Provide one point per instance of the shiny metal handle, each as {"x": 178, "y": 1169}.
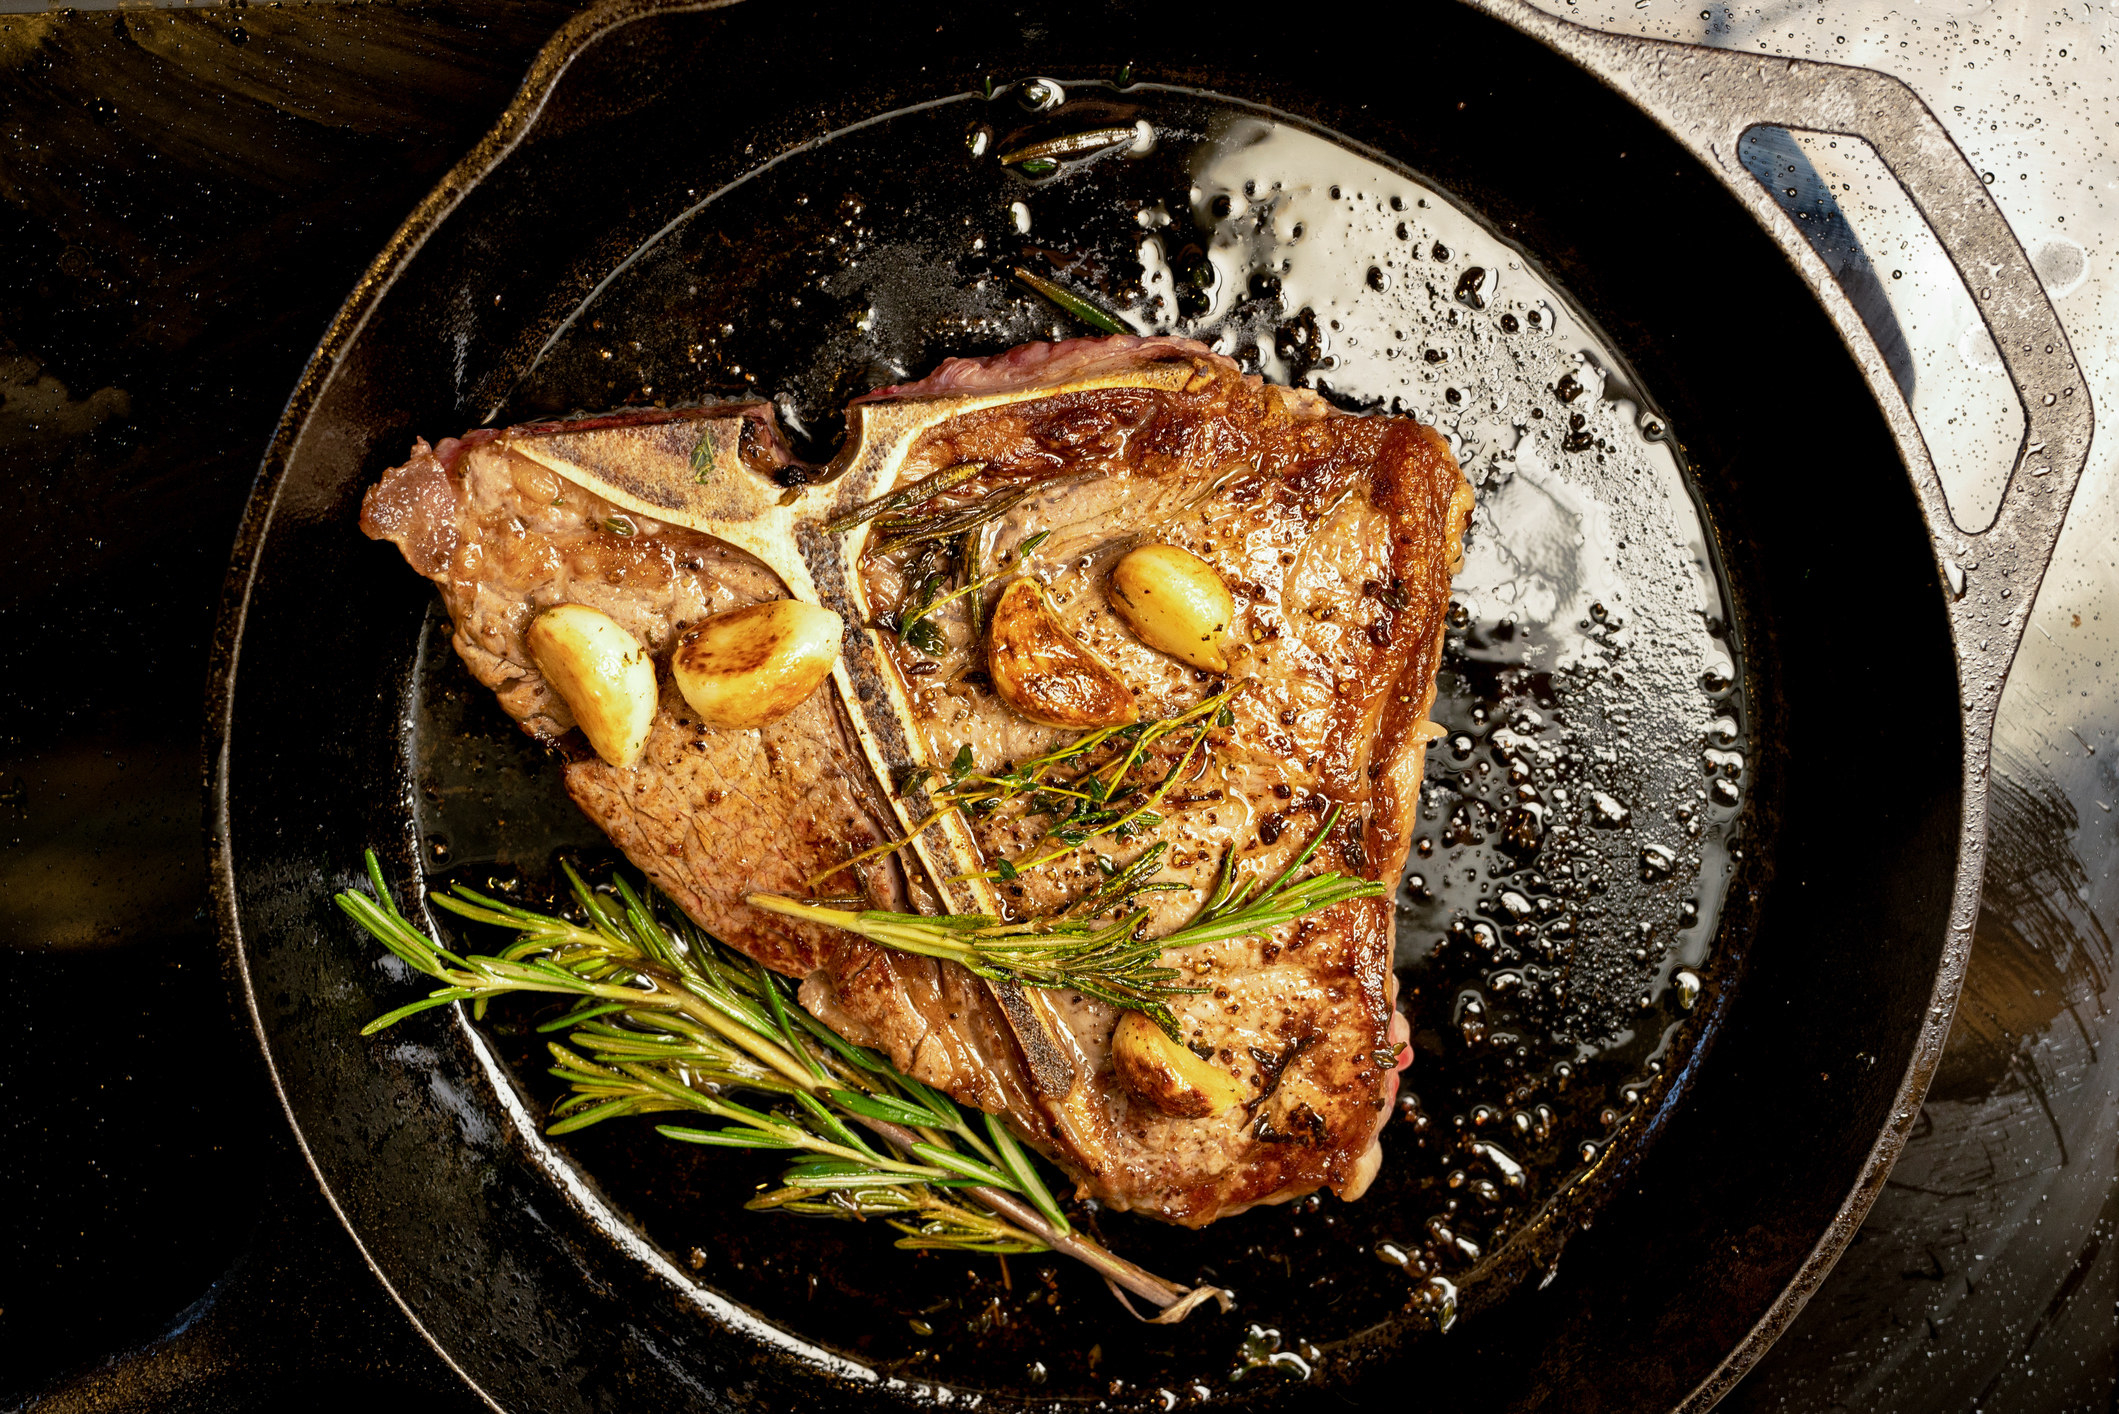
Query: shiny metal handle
{"x": 1708, "y": 99}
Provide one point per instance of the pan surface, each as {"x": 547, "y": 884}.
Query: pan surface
{"x": 1568, "y": 876}
{"x": 656, "y": 236}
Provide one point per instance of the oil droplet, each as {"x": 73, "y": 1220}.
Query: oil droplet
{"x": 1439, "y": 1296}
{"x": 1043, "y": 95}
{"x": 1688, "y": 984}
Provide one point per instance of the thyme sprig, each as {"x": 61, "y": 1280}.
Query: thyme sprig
{"x": 669, "y": 1022}
{"x": 1111, "y": 799}
{"x": 973, "y": 580}
{"x": 1113, "y": 963}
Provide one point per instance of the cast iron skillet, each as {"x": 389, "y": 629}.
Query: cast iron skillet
{"x": 1877, "y": 631}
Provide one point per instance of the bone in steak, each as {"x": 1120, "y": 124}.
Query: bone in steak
{"x": 1337, "y": 536}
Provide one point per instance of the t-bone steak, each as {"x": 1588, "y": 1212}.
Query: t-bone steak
{"x": 1336, "y": 536}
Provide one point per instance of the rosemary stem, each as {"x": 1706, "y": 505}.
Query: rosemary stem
{"x": 757, "y": 1046}
{"x": 1138, "y": 1280}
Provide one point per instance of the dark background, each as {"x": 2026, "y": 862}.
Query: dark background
{"x": 185, "y": 199}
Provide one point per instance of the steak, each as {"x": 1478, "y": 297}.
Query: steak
{"x": 1336, "y": 535}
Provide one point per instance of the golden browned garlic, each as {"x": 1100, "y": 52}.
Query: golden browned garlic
{"x": 1045, "y": 672}
{"x": 1165, "y": 1074}
{"x": 604, "y": 674}
{"x": 746, "y": 667}
{"x": 1176, "y": 603}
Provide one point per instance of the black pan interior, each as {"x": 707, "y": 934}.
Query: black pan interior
{"x": 1842, "y": 933}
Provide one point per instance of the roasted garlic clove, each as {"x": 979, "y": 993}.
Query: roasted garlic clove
{"x": 746, "y": 667}
{"x": 603, "y": 672}
{"x": 1176, "y": 603}
{"x": 1159, "y": 1071}
{"x": 1045, "y": 672}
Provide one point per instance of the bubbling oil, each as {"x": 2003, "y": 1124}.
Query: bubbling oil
{"x": 1578, "y": 821}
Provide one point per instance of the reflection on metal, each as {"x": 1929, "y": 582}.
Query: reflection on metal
{"x": 1985, "y": 1272}
{"x": 1900, "y": 280}
{"x": 1710, "y": 100}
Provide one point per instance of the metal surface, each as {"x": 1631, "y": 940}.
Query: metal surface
{"x": 2039, "y": 820}
{"x": 327, "y": 407}
{"x": 1709, "y": 100}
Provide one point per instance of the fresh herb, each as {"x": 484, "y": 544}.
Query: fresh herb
{"x": 669, "y": 1022}
{"x": 1112, "y": 963}
{"x": 916, "y": 629}
{"x": 928, "y": 637}
{"x": 1039, "y": 167}
{"x": 619, "y": 525}
{"x": 1122, "y": 885}
{"x": 1072, "y": 145}
{"x": 968, "y": 552}
{"x": 1091, "y": 804}
{"x": 926, "y": 488}
{"x": 934, "y": 602}
{"x": 703, "y": 456}
{"x": 912, "y": 530}
{"x": 1105, "y": 800}
{"x": 1074, "y": 304}
{"x": 1109, "y": 963}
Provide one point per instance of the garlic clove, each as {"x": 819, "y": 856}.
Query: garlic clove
{"x": 1046, "y": 673}
{"x": 750, "y": 666}
{"x": 604, "y": 674}
{"x": 1163, "y": 1073}
{"x": 1176, "y": 603}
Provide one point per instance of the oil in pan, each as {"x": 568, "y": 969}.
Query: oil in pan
{"x": 1558, "y": 911}
{"x": 1580, "y": 822}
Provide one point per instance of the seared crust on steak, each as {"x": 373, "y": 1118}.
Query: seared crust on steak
{"x": 1337, "y": 536}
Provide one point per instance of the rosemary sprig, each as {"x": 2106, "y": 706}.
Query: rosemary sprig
{"x": 1079, "y": 808}
{"x": 925, "y": 489}
{"x": 671, "y": 1022}
{"x": 1112, "y": 963}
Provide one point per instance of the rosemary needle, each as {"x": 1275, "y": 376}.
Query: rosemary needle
{"x": 1072, "y": 145}
{"x": 1073, "y": 303}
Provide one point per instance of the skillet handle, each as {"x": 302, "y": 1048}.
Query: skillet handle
{"x": 1708, "y": 99}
